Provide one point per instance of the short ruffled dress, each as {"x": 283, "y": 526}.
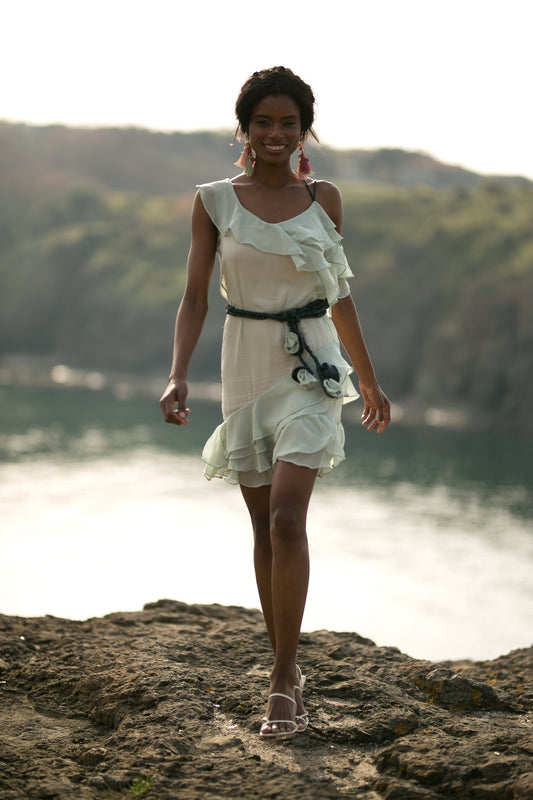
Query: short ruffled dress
{"x": 268, "y": 415}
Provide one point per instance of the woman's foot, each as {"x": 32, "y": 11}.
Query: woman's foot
{"x": 280, "y": 716}
{"x": 285, "y": 714}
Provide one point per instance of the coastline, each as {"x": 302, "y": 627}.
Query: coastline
{"x": 166, "y": 702}
{"x": 45, "y": 371}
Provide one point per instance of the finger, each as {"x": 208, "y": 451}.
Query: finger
{"x": 167, "y": 403}
{"x": 176, "y": 419}
{"x": 377, "y": 419}
{"x": 180, "y": 406}
{"x": 177, "y": 415}
{"x": 173, "y": 414}
{"x": 368, "y": 415}
{"x": 182, "y": 416}
{"x": 384, "y": 419}
{"x": 172, "y": 417}
{"x": 167, "y": 409}
{"x": 367, "y": 410}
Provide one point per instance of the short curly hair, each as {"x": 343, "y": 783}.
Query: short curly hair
{"x": 275, "y": 80}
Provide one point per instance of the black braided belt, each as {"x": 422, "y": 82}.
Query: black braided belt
{"x": 295, "y": 345}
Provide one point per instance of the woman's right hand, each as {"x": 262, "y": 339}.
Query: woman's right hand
{"x": 172, "y": 402}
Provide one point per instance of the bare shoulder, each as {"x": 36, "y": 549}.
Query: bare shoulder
{"x": 330, "y": 198}
{"x": 328, "y": 190}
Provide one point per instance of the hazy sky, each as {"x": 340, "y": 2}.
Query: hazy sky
{"x": 450, "y": 78}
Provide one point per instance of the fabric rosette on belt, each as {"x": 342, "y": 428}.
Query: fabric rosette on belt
{"x": 295, "y": 345}
{"x": 304, "y": 377}
{"x": 292, "y": 344}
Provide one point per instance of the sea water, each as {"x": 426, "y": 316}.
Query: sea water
{"x": 422, "y": 539}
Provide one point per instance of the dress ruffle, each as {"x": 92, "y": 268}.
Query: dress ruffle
{"x": 285, "y": 423}
{"x": 312, "y": 247}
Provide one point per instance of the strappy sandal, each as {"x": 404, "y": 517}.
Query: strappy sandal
{"x": 271, "y": 722}
{"x": 301, "y": 719}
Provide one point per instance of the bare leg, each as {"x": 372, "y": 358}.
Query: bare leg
{"x": 289, "y": 501}
{"x": 258, "y": 502}
{"x": 283, "y": 597}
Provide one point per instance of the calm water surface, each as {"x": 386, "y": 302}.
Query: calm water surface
{"x": 422, "y": 539}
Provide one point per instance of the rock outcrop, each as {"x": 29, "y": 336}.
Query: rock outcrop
{"x": 166, "y": 703}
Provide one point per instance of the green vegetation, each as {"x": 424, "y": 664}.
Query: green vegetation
{"x": 138, "y": 788}
{"x": 445, "y": 289}
{"x": 92, "y": 260}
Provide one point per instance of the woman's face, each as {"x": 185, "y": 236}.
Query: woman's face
{"x": 275, "y": 128}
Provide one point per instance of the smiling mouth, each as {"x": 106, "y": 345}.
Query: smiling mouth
{"x": 275, "y": 148}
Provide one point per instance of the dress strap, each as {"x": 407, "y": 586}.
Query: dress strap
{"x": 312, "y": 191}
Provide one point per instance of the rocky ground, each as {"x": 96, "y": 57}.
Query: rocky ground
{"x": 167, "y": 702}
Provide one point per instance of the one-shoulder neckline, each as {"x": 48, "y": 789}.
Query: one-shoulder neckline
{"x": 264, "y": 221}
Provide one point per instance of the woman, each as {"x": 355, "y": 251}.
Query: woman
{"x": 284, "y": 380}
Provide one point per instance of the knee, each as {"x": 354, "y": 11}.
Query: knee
{"x": 288, "y": 525}
{"x": 261, "y": 527}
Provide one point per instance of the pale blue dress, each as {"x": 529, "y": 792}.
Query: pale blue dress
{"x": 270, "y": 267}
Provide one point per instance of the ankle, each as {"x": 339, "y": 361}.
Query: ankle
{"x": 284, "y": 675}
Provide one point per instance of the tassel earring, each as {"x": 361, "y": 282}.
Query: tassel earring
{"x": 247, "y": 160}
{"x": 304, "y": 167}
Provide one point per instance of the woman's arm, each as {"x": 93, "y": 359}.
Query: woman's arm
{"x": 191, "y": 313}
{"x": 376, "y": 413}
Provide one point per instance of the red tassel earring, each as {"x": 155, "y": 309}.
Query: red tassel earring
{"x": 246, "y": 160}
{"x": 304, "y": 167}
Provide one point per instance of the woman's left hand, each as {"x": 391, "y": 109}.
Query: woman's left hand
{"x": 376, "y": 413}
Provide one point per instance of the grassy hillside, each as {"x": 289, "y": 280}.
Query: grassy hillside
{"x": 131, "y": 159}
{"x": 445, "y": 290}
{"x": 93, "y": 252}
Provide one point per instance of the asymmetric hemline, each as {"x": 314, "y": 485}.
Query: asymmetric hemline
{"x": 267, "y": 415}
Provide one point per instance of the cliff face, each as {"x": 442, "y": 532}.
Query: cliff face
{"x": 167, "y": 702}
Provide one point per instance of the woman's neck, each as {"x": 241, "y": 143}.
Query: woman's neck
{"x": 274, "y": 176}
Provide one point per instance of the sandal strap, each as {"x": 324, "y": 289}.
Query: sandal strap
{"x": 302, "y": 678}
{"x": 286, "y": 696}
